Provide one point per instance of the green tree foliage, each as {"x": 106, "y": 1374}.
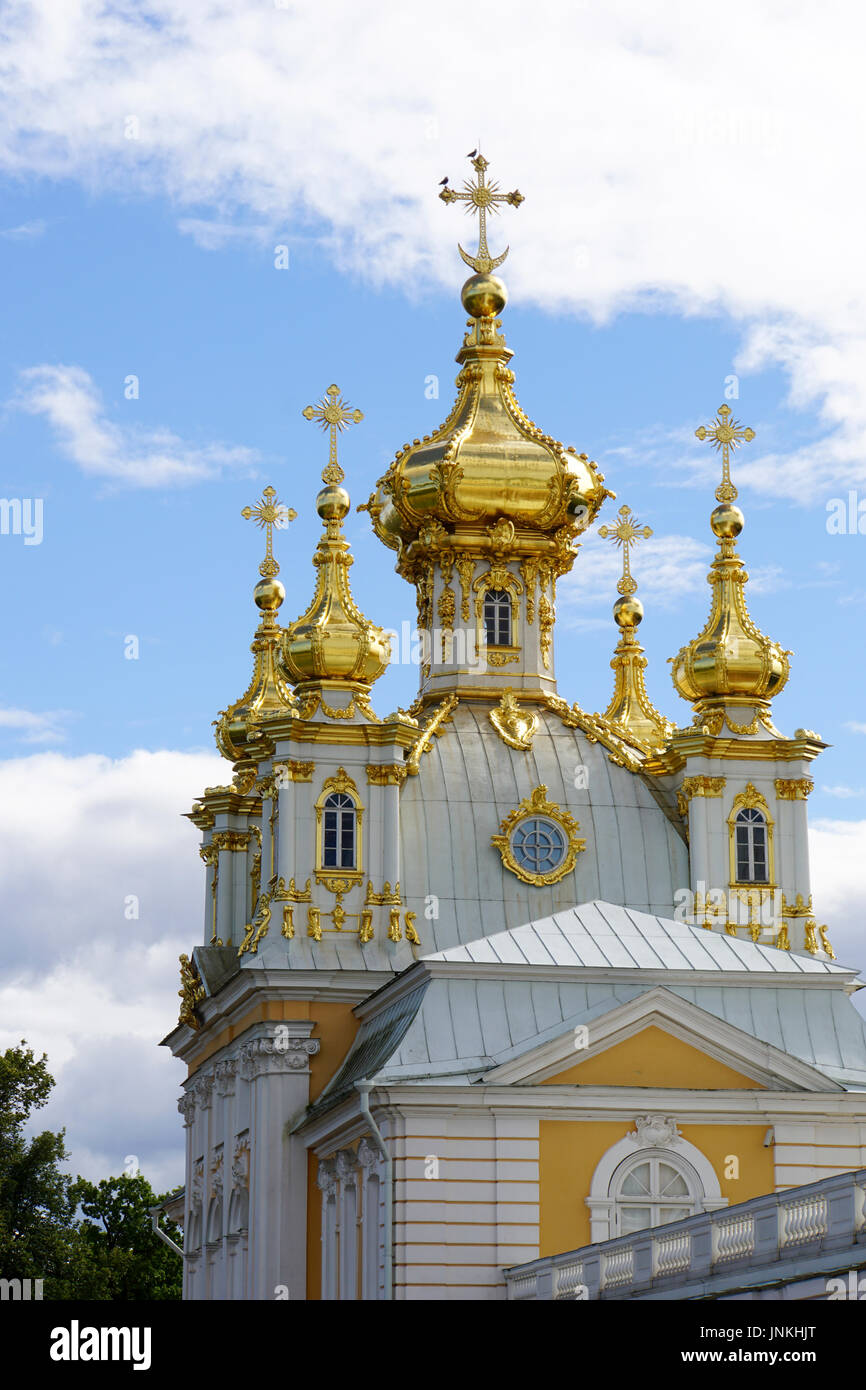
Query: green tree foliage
{"x": 125, "y": 1260}
{"x": 107, "y": 1252}
{"x": 37, "y": 1212}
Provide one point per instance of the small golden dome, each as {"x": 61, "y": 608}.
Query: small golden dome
{"x": 333, "y": 641}
{"x": 731, "y": 659}
{"x": 268, "y": 697}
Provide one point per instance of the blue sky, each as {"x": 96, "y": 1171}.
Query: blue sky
{"x": 687, "y": 219}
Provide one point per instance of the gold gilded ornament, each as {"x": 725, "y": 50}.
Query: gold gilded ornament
{"x": 631, "y": 708}
{"x": 191, "y": 992}
{"x": 515, "y": 726}
{"x": 537, "y": 804}
{"x": 334, "y": 415}
{"x": 725, "y": 435}
{"x": 482, "y": 197}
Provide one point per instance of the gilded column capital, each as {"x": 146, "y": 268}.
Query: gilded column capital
{"x": 386, "y": 774}
{"x": 700, "y": 785}
{"x": 234, "y": 840}
{"x": 793, "y": 788}
{"x": 294, "y": 771}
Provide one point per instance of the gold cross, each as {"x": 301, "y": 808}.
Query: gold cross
{"x": 333, "y": 414}
{"x": 625, "y": 533}
{"x": 482, "y": 198}
{"x": 725, "y": 434}
{"x": 269, "y": 513}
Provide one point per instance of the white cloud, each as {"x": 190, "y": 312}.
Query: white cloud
{"x": 27, "y": 231}
{"x": 69, "y": 400}
{"x": 215, "y": 236}
{"x": 666, "y": 568}
{"x": 855, "y": 728}
{"x": 93, "y": 989}
{"x": 686, "y": 194}
{"x": 837, "y": 851}
{"x": 844, "y": 793}
{"x": 43, "y": 726}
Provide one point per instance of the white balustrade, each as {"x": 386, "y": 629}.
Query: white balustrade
{"x": 672, "y": 1253}
{"x": 803, "y": 1219}
{"x": 829, "y": 1215}
{"x": 733, "y": 1237}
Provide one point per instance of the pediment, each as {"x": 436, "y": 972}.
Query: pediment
{"x": 684, "y": 1048}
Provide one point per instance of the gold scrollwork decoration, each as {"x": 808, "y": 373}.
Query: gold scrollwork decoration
{"x": 515, "y": 726}
{"x": 537, "y": 804}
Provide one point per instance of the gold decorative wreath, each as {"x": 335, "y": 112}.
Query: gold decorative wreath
{"x": 537, "y": 804}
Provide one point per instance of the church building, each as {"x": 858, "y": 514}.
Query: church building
{"x": 492, "y": 978}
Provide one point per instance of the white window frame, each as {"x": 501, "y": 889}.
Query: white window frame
{"x": 602, "y": 1198}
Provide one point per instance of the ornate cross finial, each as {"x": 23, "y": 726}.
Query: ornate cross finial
{"x": 482, "y": 198}
{"x": 624, "y": 534}
{"x": 333, "y": 414}
{"x": 725, "y": 434}
{"x": 269, "y": 513}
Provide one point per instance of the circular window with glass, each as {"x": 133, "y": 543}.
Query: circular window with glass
{"x": 540, "y": 841}
{"x": 538, "y": 845}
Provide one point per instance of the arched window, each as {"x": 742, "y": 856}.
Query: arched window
{"x": 652, "y": 1189}
{"x": 750, "y": 827}
{"x": 339, "y": 832}
{"x": 636, "y": 1185}
{"x": 497, "y": 618}
{"x": 750, "y": 830}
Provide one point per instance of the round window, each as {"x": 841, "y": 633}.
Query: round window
{"x": 538, "y": 845}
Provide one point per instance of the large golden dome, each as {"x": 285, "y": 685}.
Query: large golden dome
{"x": 488, "y": 460}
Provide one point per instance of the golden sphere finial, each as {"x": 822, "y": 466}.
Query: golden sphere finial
{"x": 628, "y": 611}
{"x": 333, "y": 503}
{"x": 727, "y": 521}
{"x": 484, "y": 296}
{"x": 269, "y": 594}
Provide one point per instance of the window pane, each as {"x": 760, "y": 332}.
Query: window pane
{"x": 637, "y": 1183}
{"x": 671, "y": 1183}
{"x": 497, "y": 618}
{"x": 634, "y": 1219}
{"x": 667, "y": 1214}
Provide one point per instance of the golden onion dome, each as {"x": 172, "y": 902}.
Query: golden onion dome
{"x": 730, "y": 659}
{"x": 488, "y": 460}
{"x": 240, "y": 729}
{"x": 333, "y": 641}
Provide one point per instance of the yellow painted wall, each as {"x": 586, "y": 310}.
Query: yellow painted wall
{"x": 654, "y": 1058}
{"x": 335, "y": 1027}
{"x": 570, "y": 1150}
